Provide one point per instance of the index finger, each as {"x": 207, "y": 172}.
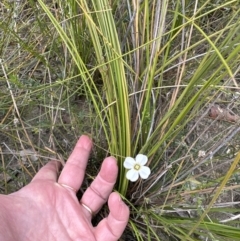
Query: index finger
{"x": 74, "y": 170}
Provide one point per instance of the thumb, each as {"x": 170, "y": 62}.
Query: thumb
{"x": 112, "y": 227}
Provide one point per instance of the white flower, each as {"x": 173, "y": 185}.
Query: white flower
{"x": 201, "y": 153}
{"x": 137, "y": 167}
{"x": 15, "y": 121}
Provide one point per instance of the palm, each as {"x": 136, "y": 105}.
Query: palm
{"x": 47, "y": 210}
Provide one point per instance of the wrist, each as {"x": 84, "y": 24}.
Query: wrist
{"x": 6, "y": 218}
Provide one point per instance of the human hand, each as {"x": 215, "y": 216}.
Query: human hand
{"x": 48, "y": 209}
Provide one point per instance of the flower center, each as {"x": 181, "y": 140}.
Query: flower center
{"x": 137, "y": 167}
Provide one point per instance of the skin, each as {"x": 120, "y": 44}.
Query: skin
{"x": 46, "y": 210}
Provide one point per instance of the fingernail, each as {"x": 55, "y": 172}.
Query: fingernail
{"x": 114, "y": 158}
{"x": 120, "y": 199}
{"x": 86, "y": 142}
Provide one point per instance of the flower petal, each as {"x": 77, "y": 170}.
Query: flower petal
{"x": 141, "y": 159}
{"x": 144, "y": 172}
{"x": 129, "y": 162}
{"x": 132, "y": 175}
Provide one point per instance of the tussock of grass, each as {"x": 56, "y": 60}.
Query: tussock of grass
{"x": 139, "y": 77}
